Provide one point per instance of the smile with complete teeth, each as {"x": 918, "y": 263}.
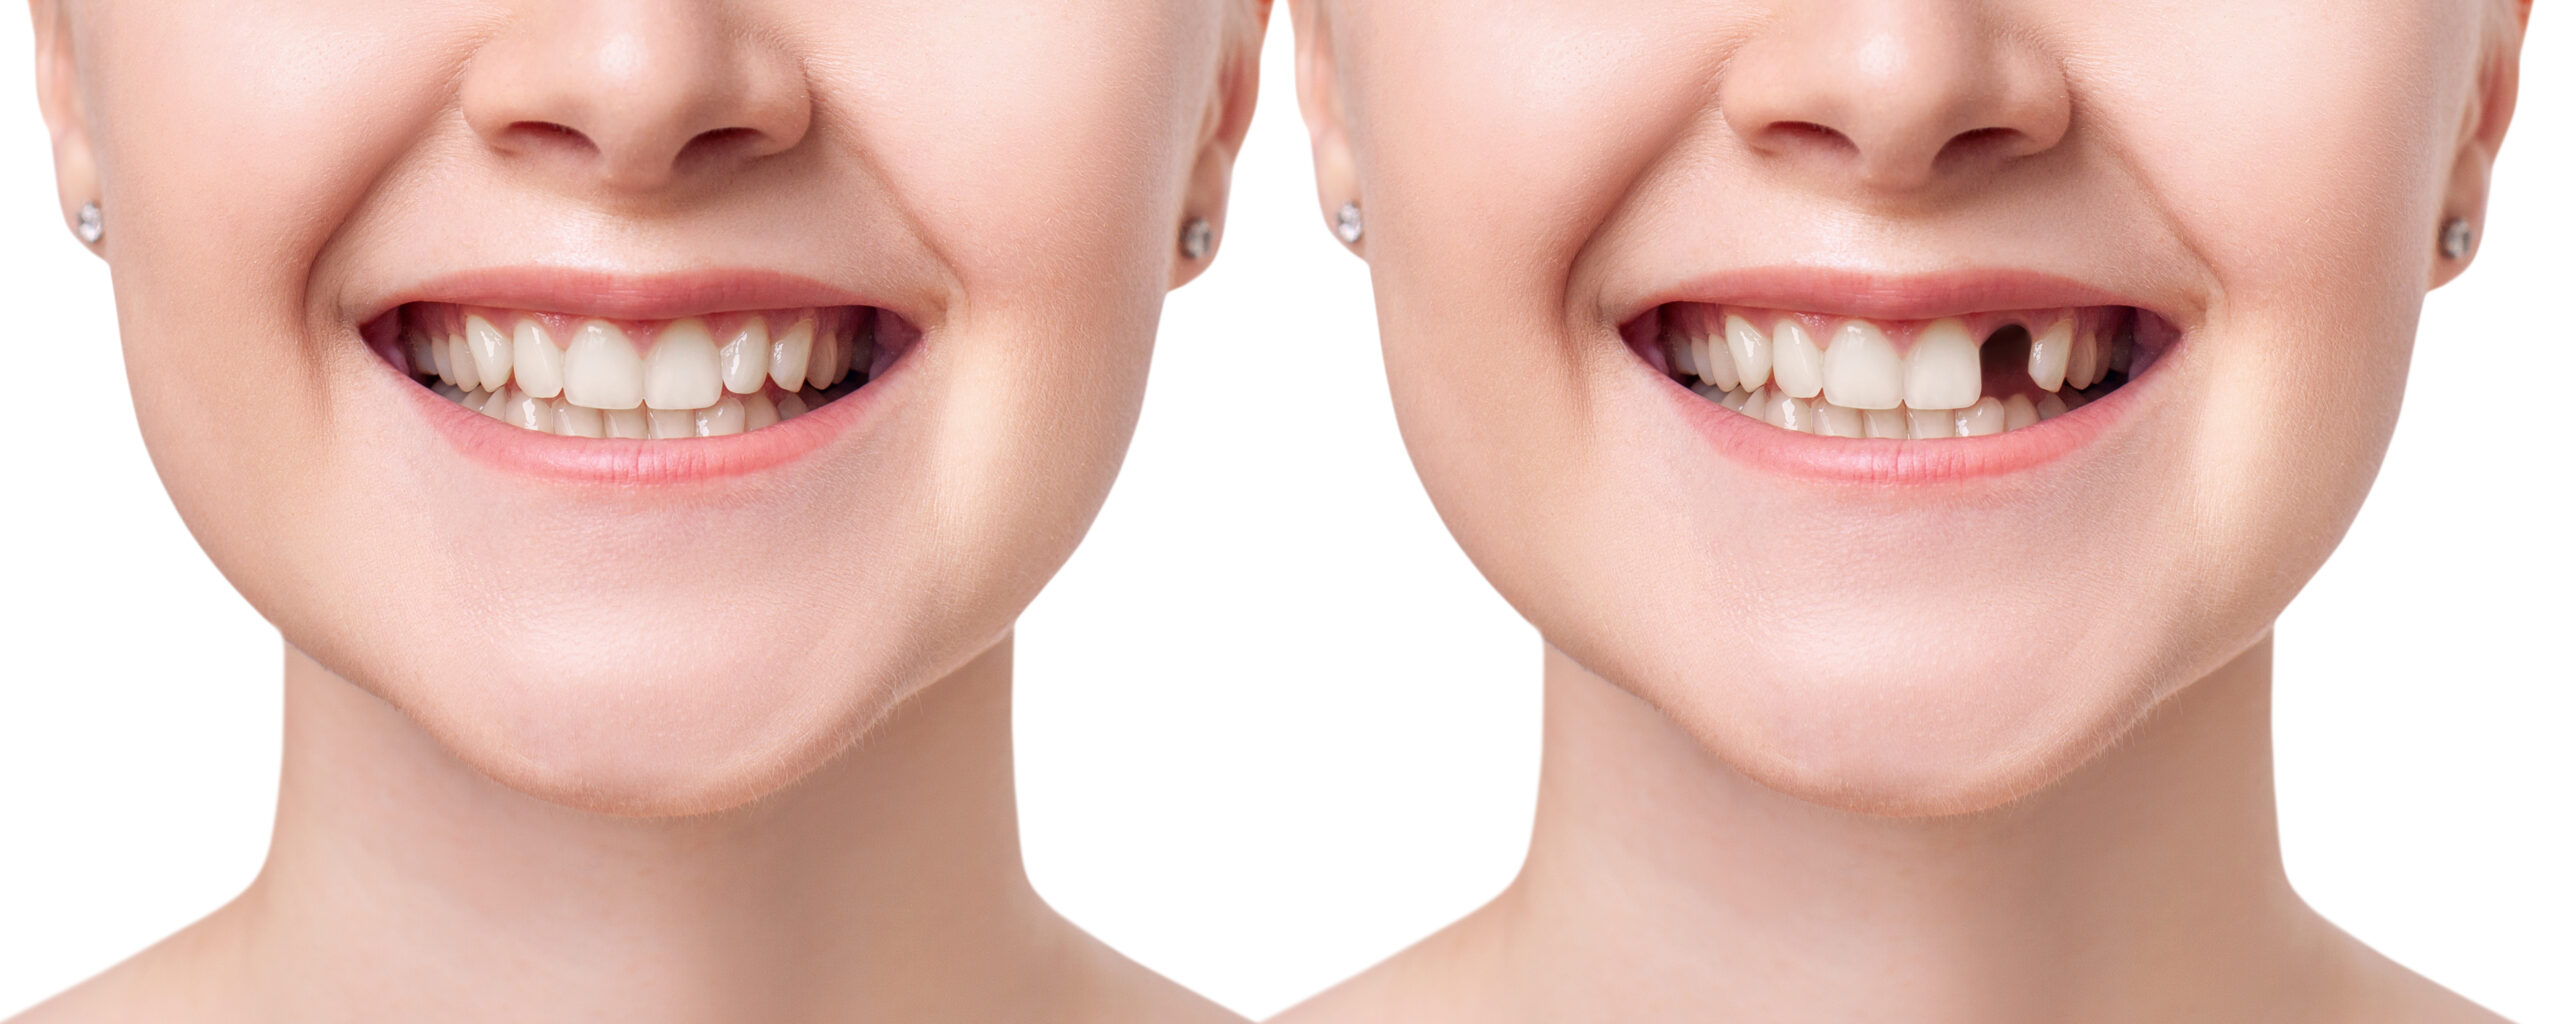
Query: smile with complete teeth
{"x": 1836, "y": 376}
{"x": 706, "y": 376}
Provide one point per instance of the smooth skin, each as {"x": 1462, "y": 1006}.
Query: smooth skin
{"x": 1975, "y": 749}
{"x": 712, "y": 749}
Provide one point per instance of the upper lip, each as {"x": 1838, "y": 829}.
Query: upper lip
{"x": 620, "y": 296}
{"x": 1882, "y": 296}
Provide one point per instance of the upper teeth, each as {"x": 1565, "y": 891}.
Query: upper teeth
{"x": 1846, "y": 377}
{"x": 518, "y": 368}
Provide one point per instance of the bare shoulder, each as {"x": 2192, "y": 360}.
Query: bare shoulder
{"x": 2370, "y": 988}
{"x": 155, "y": 985}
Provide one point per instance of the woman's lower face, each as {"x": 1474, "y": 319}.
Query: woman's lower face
{"x": 711, "y": 373}
{"x": 1903, "y": 397}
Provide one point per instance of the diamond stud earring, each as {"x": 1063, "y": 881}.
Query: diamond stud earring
{"x": 1346, "y": 224}
{"x": 2454, "y": 242}
{"x": 93, "y": 223}
{"x": 1197, "y": 237}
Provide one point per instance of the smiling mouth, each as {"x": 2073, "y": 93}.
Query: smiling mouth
{"x": 1972, "y": 375}
{"x": 701, "y": 376}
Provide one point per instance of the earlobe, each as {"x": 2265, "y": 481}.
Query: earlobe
{"x": 2486, "y": 117}
{"x": 75, "y": 167}
{"x": 1223, "y": 126}
{"x": 1338, "y": 191}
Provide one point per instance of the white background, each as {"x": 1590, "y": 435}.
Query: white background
{"x": 1272, "y": 725}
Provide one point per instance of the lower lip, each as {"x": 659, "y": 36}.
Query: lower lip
{"x": 1920, "y": 463}
{"x": 625, "y": 462}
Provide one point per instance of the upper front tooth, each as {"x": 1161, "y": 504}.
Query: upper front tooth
{"x": 1861, "y": 369}
{"x": 747, "y": 357}
{"x": 1750, "y": 352}
{"x": 1794, "y": 360}
{"x": 790, "y": 362}
{"x": 1944, "y": 369}
{"x": 601, "y": 370}
{"x": 2049, "y": 355}
{"x": 491, "y": 353}
{"x": 684, "y": 367}
{"x": 538, "y": 359}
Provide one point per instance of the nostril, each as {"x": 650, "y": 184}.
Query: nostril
{"x": 721, "y": 140}
{"x": 1808, "y": 133}
{"x": 549, "y": 133}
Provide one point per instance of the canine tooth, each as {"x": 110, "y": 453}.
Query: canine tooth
{"x": 528, "y": 412}
{"x": 1932, "y": 423}
{"x": 491, "y": 353}
{"x": 1987, "y": 417}
{"x": 1861, "y": 370}
{"x": 1794, "y": 360}
{"x": 790, "y": 405}
{"x": 683, "y": 368}
{"x": 601, "y": 370}
{"x": 2083, "y": 365}
{"x": 747, "y": 357}
{"x": 2049, "y": 407}
{"x": 1834, "y": 420}
{"x": 1893, "y": 423}
{"x": 1720, "y": 364}
{"x": 1790, "y": 412}
{"x": 569, "y": 419}
{"x": 626, "y": 423}
{"x": 790, "y": 362}
{"x": 1750, "y": 351}
{"x": 2017, "y": 413}
{"x": 493, "y": 404}
{"x": 538, "y": 359}
{"x": 466, "y": 369}
{"x": 760, "y": 412}
{"x": 2049, "y": 355}
{"x": 727, "y": 417}
{"x": 1681, "y": 351}
{"x": 668, "y": 423}
{"x": 1944, "y": 369}
{"x": 1756, "y": 404}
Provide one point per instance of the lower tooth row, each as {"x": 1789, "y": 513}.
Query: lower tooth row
{"x": 1817, "y": 415}
{"x": 732, "y": 414}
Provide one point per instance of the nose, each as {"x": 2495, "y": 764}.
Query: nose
{"x": 635, "y": 95}
{"x": 1894, "y": 95}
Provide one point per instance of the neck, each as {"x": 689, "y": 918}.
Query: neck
{"x": 887, "y": 885}
{"x": 2146, "y": 885}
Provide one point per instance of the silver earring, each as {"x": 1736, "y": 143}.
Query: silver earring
{"x": 1197, "y": 237}
{"x": 1346, "y": 224}
{"x": 93, "y": 223}
{"x": 2456, "y": 238}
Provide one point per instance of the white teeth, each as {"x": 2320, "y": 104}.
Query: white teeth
{"x": 601, "y": 369}
{"x": 1794, "y": 360}
{"x": 626, "y": 423}
{"x": 1892, "y": 423}
{"x": 1682, "y": 351}
{"x": 2049, "y": 355}
{"x": 572, "y": 420}
{"x": 683, "y": 367}
{"x": 538, "y": 359}
{"x": 727, "y": 417}
{"x": 528, "y": 412}
{"x": 2017, "y": 413}
{"x": 1944, "y": 369}
{"x": 440, "y": 359}
{"x": 822, "y": 363}
{"x": 1932, "y": 423}
{"x": 790, "y": 360}
{"x": 1757, "y": 404}
{"x": 790, "y": 405}
{"x": 1985, "y": 418}
{"x": 746, "y": 359}
{"x": 760, "y": 412}
{"x": 1790, "y": 412}
{"x": 1736, "y": 399}
{"x": 666, "y": 423}
{"x": 491, "y": 353}
{"x": 1720, "y": 364}
{"x": 1830, "y": 420}
{"x": 2082, "y": 368}
{"x": 1861, "y": 369}
{"x": 2050, "y": 406}
{"x": 466, "y": 370}
{"x": 493, "y": 404}
{"x": 1750, "y": 352}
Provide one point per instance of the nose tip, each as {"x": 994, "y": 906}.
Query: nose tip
{"x": 1893, "y": 95}
{"x": 635, "y": 95}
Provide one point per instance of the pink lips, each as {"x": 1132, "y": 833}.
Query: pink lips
{"x": 1904, "y": 463}
{"x": 627, "y": 297}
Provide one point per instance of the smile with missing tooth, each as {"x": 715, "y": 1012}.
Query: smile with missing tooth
{"x": 702, "y": 376}
{"x": 1963, "y": 376}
